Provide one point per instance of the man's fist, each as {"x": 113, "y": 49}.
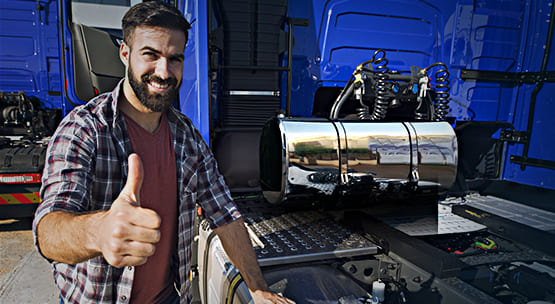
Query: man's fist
{"x": 128, "y": 232}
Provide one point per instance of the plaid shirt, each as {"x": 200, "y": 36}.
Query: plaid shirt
{"x": 86, "y": 168}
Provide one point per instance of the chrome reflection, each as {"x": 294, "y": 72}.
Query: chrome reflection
{"x": 303, "y": 157}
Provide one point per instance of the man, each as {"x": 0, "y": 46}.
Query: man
{"x": 122, "y": 176}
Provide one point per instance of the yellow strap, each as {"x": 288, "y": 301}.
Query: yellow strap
{"x": 234, "y": 282}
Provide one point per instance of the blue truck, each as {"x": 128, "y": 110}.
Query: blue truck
{"x": 380, "y": 151}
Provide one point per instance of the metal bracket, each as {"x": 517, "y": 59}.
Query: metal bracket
{"x": 534, "y": 162}
{"x": 298, "y": 21}
{"x": 522, "y": 137}
{"x": 514, "y": 77}
{"x": 513, "y": 136}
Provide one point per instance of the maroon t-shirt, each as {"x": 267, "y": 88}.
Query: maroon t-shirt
{"x": 153, "y": 281}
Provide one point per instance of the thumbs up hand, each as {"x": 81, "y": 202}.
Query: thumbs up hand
{"x": 132, "y": 189}
{"x": 128, "y": 232}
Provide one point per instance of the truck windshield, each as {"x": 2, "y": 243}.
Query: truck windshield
{"x": 103, "y": 14}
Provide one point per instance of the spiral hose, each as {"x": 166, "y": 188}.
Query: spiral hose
{"x": 382, "y": 102}
{"x": 441, "y": 85}
{"x": 363, "y": 113}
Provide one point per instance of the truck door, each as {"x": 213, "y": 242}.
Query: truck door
{"x": 90, "y": 39}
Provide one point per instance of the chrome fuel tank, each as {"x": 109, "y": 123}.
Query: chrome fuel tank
{"x": 303, "y": 157}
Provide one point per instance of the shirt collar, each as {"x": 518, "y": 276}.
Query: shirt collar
{"x": 115, "y": 99}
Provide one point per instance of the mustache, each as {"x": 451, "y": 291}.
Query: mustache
{"x": 146, "y": 78}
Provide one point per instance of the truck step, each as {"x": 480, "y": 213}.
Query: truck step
{"x": 304, "y": 236}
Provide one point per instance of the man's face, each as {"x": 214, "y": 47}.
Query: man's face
{"x": 155, "y": 66}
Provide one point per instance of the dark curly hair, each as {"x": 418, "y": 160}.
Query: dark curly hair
{"x": 154, "y": 14}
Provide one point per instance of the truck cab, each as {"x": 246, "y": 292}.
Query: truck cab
{"x": 379, "y": 152}
{"x": 352, "y": 187}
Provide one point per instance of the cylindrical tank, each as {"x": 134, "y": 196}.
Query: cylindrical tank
{"x": 303, "y": 157}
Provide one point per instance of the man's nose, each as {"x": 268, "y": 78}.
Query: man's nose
{"x": 162, "y": 68}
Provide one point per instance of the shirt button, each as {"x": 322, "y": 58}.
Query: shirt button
{"x": 129, "y": 267}
{"x": 123, "y": 298}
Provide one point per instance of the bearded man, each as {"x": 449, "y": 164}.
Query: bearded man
{"x": 122, "y": 176}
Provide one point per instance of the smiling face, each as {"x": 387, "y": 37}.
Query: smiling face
{"x": 154, "y": 67}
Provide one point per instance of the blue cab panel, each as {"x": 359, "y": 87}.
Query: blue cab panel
{"x": 499, "y": 36}
{"x": 29, "y": 56}
{"x": 194, "y": 93}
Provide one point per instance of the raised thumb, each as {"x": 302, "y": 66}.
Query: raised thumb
{"x": 134, "y": 179}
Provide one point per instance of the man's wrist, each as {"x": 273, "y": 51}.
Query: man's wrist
{"x": 259, "y": 288}
{"x": 93, "y": 223}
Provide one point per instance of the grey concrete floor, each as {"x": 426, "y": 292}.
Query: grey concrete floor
{"x": 25, "y": 277}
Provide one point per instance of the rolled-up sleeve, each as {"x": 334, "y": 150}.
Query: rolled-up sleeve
{"x": 66, "y": 180}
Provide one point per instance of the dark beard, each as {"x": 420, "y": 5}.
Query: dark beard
{"x": 155, "y": 102}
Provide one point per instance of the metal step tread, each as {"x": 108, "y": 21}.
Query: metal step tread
{"x": 520, "y": 213}
{"x": 302, "y": 237}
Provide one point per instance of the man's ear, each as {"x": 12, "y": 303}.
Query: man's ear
{"x": 124, "y": 53}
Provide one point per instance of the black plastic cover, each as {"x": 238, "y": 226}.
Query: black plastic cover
{"x": 23, "y": 159}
